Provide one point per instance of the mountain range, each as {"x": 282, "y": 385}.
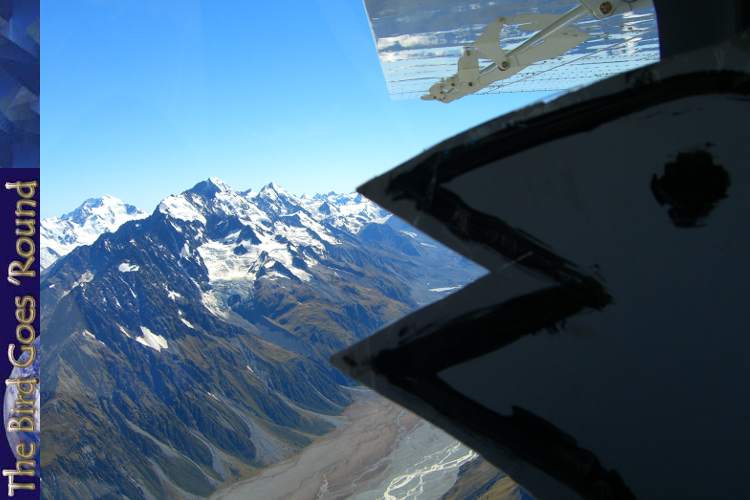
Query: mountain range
{"x": 188, "y": 347}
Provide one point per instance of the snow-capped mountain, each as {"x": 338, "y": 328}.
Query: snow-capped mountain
{"x": 82, "y": 226}
{"x": 197, "y": 338}
{"x": 349, "y": 211}
{"x": 269, "y": 234}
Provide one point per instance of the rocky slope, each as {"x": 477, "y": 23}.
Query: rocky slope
{"x": 479, "y": 480}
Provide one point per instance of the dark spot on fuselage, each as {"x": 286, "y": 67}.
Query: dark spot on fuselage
{"x": 692, "y": 186}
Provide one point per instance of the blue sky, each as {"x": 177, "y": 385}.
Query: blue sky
{"x": 144, "y": 98}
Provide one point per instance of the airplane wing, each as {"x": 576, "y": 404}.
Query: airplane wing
{"x": 419, "y": 43}
{"x": 504, "y": 64}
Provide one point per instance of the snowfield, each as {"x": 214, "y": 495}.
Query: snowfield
{"x": 152, "y": 340}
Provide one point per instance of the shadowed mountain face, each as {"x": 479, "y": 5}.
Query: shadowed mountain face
{"x": 190, "y": 347}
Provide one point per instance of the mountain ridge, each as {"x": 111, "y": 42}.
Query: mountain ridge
{"x": 192, "y": 345}
{"x": 106, "y": 213}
